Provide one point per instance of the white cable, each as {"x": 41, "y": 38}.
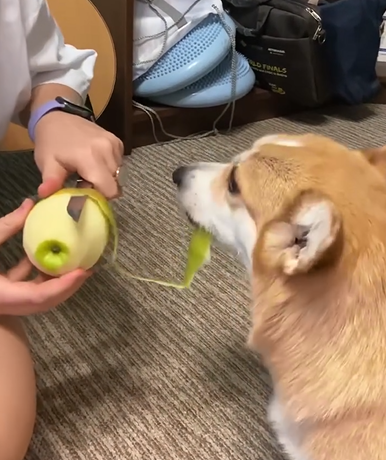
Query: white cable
{"x": 151, "y": 112}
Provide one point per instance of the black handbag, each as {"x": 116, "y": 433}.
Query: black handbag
{"x": 283, "y": 42}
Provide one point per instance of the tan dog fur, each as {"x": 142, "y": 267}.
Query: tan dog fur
{"x": 318, "y": 275}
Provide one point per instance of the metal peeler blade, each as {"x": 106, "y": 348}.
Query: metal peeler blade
{"x": 76, "y": 204}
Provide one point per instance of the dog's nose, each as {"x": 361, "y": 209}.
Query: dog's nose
{"x": 178, "y": 175}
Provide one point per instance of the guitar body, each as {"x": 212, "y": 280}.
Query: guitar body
{"x": 83, "y": 27}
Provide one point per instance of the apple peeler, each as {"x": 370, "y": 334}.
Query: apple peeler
{"x": 76, "y": 204}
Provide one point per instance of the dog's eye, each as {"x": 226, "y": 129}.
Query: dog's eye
{"x": 233, "y": 187}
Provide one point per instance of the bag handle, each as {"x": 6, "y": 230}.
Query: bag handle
{"x": 178, "y": 17}
{"x": 246, "y": 3}
{"x": 239, "y": 5}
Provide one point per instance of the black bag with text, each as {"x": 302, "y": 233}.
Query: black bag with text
{"x": 283, "y": 41}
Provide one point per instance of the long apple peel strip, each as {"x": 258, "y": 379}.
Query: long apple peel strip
{"x": 198, "y": 251}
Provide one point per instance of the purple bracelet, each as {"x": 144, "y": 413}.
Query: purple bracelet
{"x": 39, "y": 113}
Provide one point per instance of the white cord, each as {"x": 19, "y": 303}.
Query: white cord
{"x": 164, "y": 33}
{"x": 232, "y": 103}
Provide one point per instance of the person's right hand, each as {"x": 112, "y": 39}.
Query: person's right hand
{"x": 19, "y": 297}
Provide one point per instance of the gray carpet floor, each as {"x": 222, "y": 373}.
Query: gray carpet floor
{"x": 129, "y": 370}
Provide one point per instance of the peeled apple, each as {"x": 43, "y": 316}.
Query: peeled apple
{"x": 56, "y": 244}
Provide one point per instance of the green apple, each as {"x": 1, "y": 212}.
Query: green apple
{"x": 56, "y": 244}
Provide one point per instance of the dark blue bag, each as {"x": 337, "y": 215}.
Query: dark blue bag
{"x": 352, "y": 45}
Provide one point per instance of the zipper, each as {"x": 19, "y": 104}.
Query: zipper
{"x": 320, "y": 33}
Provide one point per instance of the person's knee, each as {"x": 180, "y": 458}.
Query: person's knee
{"x": 17, "y": 391}
{"x": 16, "y": 434}
{"x": 14, "y": 451}
{"x": 15, "y": 437}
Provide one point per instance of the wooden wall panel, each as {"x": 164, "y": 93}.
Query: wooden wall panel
{"x": 107, "y": 27}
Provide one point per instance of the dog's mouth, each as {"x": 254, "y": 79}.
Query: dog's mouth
{"x": 196, "y": 225}
{"x": 192, "y": 221}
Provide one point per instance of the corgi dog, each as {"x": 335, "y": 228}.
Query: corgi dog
{"x": 307, "y": 215}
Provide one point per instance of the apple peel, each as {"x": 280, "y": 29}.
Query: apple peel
{"x": 198, "y": 256}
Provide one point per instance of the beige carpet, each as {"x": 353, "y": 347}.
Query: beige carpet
{"x": 133, "y": 371}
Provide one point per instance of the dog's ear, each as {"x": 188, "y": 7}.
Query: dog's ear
{"x": 301, "y": 237}
{"x": 377, "y": 157}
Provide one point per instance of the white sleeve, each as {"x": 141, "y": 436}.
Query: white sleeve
{"x": 50, "y": 59}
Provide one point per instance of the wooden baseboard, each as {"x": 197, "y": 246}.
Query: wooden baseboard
{"x": 256, "y": 106}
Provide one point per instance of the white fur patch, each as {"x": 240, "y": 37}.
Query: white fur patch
{"x": 231, "y": 226}
{"x": 270, "y": 139}
{"x": 288, "y": 433}
{"x": 278, "y": 140}
{"x": 243, "y": 156}
{"x": 318, "y": 218}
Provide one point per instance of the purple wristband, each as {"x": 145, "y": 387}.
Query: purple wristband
{"x": 39, "y": 113}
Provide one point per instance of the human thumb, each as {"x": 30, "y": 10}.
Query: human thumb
{"x": 53, "y": 177}
{"x": 13, "y": 222}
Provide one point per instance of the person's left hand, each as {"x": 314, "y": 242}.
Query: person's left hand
{"x": 66, "y": 143}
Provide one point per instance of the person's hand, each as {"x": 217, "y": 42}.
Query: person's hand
{"x": 19, "y": 297}
{"x": 66, "y": 143}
